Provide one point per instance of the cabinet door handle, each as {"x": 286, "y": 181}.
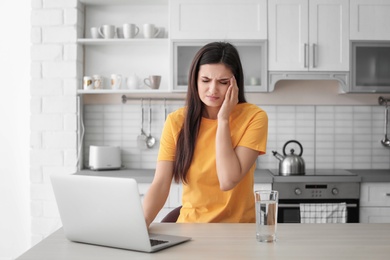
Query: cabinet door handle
{"x": 305, "y": 55}
{"x": 388, "y": 194}
{"x": 315, "y": 50}
{"x": 349, "y": 205}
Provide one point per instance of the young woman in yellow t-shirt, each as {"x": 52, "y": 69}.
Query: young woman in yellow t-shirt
{"x": 211, "y": 144}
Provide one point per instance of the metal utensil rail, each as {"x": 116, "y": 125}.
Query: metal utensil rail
{"x": 125, "y": 99}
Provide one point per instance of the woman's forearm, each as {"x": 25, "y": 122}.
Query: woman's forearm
{"x": 158, "y": 192}
{"x": 153, "y": 202}
{"x": 227, "y": 163}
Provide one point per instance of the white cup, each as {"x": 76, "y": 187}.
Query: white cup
{"x": 119, "y": 32}
{"x": 97, "y": 81}
{"x": 107, "y": 31}
{"x": 153, "y": 81}
{"x": 116, "y": 81}
{"x": 150, "y": 30}
{"x": 130, "y": 30}
{"x": 95, "y": 33}
{"x": 161, "y": 34}
{"x": 87, "y": 83}
{"x": 132, "y": 81}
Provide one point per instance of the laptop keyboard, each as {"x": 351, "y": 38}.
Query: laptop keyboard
{"x": 155, "y": 242}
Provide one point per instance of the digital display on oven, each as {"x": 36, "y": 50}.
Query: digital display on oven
{"x": 316, "y": 186}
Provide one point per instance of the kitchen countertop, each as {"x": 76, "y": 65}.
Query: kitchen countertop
{"x": 372, "y": 175}
{"x": 261, "y": 175}
{"x": 237, "y": 241}
{"x": 146, "y": 175}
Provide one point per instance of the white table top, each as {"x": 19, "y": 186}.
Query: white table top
{"x": 237, "y": 241}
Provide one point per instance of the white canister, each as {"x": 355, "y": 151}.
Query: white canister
{"x": 87, "y": 83}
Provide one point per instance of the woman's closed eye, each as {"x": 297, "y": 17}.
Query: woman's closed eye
{"x": 224, "y": 82}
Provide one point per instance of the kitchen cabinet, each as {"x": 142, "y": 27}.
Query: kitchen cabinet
{"x": 375, "y": 202}
{"x": 370, "y": 62}
{"x": 308, "y": 35}
{"x": 262, "y": 186}
{"x": 370, "y": 20}
{"x": 218, "y": 19}
{"x": 253, "y": 54}
{"x": 140, "y": 56}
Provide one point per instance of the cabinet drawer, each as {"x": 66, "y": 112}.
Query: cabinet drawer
{"x": 374, "y": 215}
{"x": 262, "y": 186}
{"x": 175, "y": 195}
{"x": 375, "y": 194}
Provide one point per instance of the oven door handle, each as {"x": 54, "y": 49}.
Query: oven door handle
{"x": 349, "y": 205}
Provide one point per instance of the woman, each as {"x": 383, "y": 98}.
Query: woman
{"x": 211, "y": 144}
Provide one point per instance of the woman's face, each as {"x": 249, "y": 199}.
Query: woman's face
{"x": 213, "y": 82}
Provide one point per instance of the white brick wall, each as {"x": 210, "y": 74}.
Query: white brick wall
{"x": 42, "y": 17}
{"x": 343, "y": 137}
{"x": 55, "y": 65}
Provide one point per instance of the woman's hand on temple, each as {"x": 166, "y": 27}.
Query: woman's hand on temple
{"x": 231, "y": 99}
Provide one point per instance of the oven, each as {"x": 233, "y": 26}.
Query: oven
{"x": 294, "y": 190}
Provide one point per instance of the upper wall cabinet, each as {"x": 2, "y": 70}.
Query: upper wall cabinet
{"x": 253, "y": 54}
{"x": 308, "y": 35}
{"x": 218, "y": 19}
{"x": 370, "y": 20}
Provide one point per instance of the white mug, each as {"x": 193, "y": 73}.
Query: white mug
{"x": 116, "y": 81}
{"x": 95, "y": 33}
{"x": 132, "y": 81}
{"x": 97, "y": 81}
{"x": 153, "y": 81}
{"x": 151, "y": 31}
{"x": 161, "y": 33}
{"x": 87, "y": 83}
{"x": 119, "y": 32}
{"x": 130, "y": 30}
{"x": 107, "y": 31}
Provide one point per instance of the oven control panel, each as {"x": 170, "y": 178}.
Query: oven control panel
{"x": 317, "y": 190}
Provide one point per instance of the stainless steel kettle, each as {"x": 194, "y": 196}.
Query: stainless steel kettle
{"x": 290, "y": 164}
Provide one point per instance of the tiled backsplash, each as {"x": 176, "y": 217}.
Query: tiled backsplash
{"x": 336, "y": 137}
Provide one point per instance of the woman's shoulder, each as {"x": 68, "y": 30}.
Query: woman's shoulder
{"x": 177, "y": 116}
{"x": 248, "y": 109}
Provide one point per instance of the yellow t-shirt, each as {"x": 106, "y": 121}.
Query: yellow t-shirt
{"x": 202, "y": 199}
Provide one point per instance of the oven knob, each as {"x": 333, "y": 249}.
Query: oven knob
{"x": 298, "y": 191}
{"x": 335, "y": 191}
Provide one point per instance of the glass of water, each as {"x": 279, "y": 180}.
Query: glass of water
{"x": 266, "y": 215}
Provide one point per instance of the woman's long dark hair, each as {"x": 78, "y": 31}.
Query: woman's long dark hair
{"x": 212, "y": 53}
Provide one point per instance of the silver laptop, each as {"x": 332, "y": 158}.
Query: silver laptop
{"x": 106, "y": 211}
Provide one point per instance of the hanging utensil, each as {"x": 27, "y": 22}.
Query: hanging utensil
{"x": 150, "y": 140}
{"x": 165, "y": 109}
{"x": 386, "y": 142}
{"x": 141, "y": 139}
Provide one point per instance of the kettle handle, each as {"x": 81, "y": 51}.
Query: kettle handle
{"x": 293, "y": 141}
